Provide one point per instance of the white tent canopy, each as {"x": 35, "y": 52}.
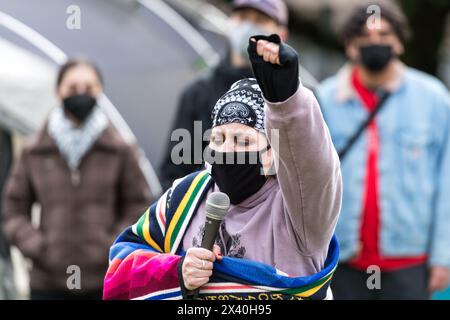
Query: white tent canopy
{"x": 27, "y": 85}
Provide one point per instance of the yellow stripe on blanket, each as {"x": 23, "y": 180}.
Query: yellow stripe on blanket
{"x": 309, "y": 292}
{"x": 146, "y": 232}
{"x": 180, "y": 210}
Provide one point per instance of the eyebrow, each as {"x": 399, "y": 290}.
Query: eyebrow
{"x": 243, "y": 134}
{"x": 216, "y": 133}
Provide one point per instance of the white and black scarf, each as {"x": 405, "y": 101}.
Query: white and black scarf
{"x": 74, "y": 142}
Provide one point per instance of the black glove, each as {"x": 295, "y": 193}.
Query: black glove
{"x": 277, "y": 82}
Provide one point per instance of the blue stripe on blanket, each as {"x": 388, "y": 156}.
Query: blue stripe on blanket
{"x": 265, "y": 275}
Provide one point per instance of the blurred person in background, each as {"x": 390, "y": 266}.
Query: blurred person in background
{"x": 396, "y": 209}
{"x": 7, "y": 285}
{"x": 88, "y": 183}
{"x": 198, "y": 99}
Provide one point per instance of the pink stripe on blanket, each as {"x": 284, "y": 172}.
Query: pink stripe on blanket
{"x": 140, "y": 273}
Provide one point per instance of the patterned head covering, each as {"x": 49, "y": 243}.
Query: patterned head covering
{"x": 243, "y": 103}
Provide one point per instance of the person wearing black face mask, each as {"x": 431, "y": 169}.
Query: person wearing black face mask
{"x": 239, "y": 172}
{"x": 390, "y": 124}
{"x": 375, "y": 57}
{"x": 88, "y": 182}
{"x": 79, "y": 106}
{"x": 271, "y": 153}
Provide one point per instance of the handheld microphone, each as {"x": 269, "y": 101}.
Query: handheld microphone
{"x": 217, "y": 206}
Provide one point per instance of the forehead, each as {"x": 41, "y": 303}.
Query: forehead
{"x": 81, "y": 73}
{"x": 236, "y": 129}
{"x": 374, "y": 27}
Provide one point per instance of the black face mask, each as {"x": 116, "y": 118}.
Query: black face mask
{"x": 79, "y": 106}
{"x": 238, "y": 174}
{"x": 375, "y": 57}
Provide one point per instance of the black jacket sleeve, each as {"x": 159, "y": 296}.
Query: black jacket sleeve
{"x": 184, "y": 119}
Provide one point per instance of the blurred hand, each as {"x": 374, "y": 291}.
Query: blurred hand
{"x": 269, "y": 51}
{"x": 439, "y": 278}
{"x": 197, "y": 266}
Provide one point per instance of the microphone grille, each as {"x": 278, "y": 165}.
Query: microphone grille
{"x": 217, "y": 205}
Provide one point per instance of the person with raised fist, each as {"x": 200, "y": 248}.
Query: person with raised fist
{"x": 270, "y": 151}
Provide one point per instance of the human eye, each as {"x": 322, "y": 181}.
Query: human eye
{"x": 217, "y": 139}
{"x": 243, "y": 142}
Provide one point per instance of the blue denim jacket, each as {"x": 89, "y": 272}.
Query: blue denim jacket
{"x": 414, "y": 164}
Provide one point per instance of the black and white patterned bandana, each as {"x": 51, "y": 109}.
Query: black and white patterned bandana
{"x": 243, "y": 103}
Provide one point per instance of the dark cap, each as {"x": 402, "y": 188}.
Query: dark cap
{"x": 276, "y": 9}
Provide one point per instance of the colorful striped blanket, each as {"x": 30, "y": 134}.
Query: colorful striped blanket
{"x": 145, "y": 258}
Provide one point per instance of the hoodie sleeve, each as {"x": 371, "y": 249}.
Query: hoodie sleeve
{"x": 306, "y": 163}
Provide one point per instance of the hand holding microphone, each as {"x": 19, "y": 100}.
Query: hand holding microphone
{"x": 197, "y": 266}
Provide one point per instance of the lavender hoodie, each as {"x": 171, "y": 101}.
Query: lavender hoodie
{"x": 290, "y": 221}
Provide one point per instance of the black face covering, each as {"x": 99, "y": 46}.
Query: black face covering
{"x": 79, "y": 106}
{"x": 375, "y": 57}
{"x": 238, "y": 174}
